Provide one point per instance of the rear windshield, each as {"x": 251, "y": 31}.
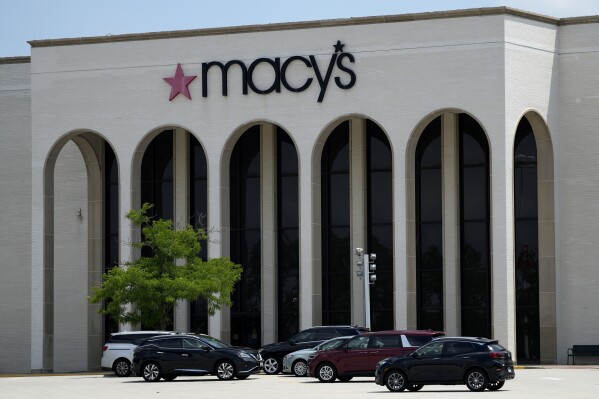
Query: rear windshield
{"x": 496, "y": 348}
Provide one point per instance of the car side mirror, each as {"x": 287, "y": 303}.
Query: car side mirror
{"x": 206, "y": 348}
{"x": 415, "y": 355}
{"x": 291, "y": 341}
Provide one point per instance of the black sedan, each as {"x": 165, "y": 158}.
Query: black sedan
{"x": 186, "y": 354}
{"x": 480, "y": 363}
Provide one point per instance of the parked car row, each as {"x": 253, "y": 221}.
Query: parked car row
{"x": 398, "y": 360}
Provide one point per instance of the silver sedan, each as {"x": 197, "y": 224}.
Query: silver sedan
{"x": 297, "y": 362}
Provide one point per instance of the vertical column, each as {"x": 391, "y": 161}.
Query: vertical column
{"x": 129, "y": 198}
{"x": 310, "y": 295}
{"x": 503, "y": 302}
{"x": 268, "y": 187}
{"x": 219, "y": 324}
{"x": 181, "y": 215}
{"x": 451, "y": 270}
{"x": 358, "y": 191}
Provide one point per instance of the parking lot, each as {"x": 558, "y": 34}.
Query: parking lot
{"x": 552, "y": 382}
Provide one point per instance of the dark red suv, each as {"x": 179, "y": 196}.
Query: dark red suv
{"x": 359, "y": 356}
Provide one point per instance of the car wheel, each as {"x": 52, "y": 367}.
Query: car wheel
{"x": 344, "y": 379}
{"x": 272, "y": 365}
{"x": 476, "y": 380}
{"x": 494, "y": 386}
{"x": 396, "y": 381}
{"x": 326, "y": 372}
{"x": 300, "y": 368}
{"x": 169, "y": 377}
{"x": 122, "y": 368}
{"x": 151, "y": 372}
{"x": 225, "y": 370}
{"x": 415, "y": 388}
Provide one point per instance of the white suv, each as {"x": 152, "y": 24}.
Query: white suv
{"x": 117, "y": 353}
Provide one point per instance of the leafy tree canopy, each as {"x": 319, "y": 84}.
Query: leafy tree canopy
{"x": 146, "y": 290}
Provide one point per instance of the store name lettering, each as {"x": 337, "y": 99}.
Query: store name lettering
{"x": 337, "y": 68}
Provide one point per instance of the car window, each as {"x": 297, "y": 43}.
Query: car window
{"x": 324, "y": 333}
{"x": 168, "y": 343}
{"x": 385, "y": 341}
{"x": 213, "y": 342}
{"x": 496, "y": 348}
{"x": 432, "y": 349}
{"x": 346, "y": 331}
{"x": 190, "y": 343}
{"x": 305, "y": 336}
{"x": 416, "y": 340}
{"x": 458, "y": 348}
{"x": 359, "y": 342}
{"x": 328, "y": 345}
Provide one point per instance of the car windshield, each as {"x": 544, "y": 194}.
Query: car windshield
{"x": 213, "y": 342}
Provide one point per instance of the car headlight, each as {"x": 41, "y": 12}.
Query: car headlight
{"x": 286, "y": 357}
{"x": 246, "y": 356}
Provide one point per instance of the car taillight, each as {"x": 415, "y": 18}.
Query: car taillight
{"x": 497, "y": 355}
{"x": 105, "y": 348}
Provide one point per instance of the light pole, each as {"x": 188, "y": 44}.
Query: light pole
{"x": 366, "y": 269}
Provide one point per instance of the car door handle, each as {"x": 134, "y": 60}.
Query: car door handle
{"x": 185, "y": 354}
{"x": 160, "y": 353}
{"x": 465, "y": 357}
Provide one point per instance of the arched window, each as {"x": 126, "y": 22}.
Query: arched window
{"x": 336, "y": 260}
{"x": 475, "y": 267}
{"x": 198, "y": 217}
{"x": 380, "y": 224}
{"x": 429, "y": 228}
{"x": 244, "y": 181}
{"x": 526, "y": 244}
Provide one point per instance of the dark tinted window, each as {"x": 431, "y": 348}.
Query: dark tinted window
{"x": 359, "y": 342}
{"x": 429, "y": 229}
{"x": 190, "y": 343}
{"x": 385, "y": 341}
{"x": 325, "y": 333}
{"x": 169, "y": 343}
{"x": 305, "y": 336}
{"x": 346, "y": 331}
{"x": 432, "y": 349}
{"x": 418, "y": 340}
{"x": 457, "y": 348}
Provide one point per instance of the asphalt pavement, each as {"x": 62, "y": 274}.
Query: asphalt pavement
{"x": 542, "y": 382}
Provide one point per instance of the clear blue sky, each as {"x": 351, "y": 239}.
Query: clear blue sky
{"x": 23, "y": 20}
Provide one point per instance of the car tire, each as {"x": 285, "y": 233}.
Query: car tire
{"x": 495, "y": 386}
{"x": 476, "y": 380}
{"x": 396, "y": 381}
{"x": 151, "y": 372}
{"x": 122, "y": 367}
{"x": 326, "y": 372}
{"x": 415, "y": 388}
{"x": 344, "y": 379}
{"x": 169, "y": 377}
{"x": 300, "y": 368}
{"x": 225, "y": 370}
{"x": 272, "y": 365}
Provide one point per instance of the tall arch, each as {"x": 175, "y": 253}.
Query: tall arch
{"x": 534, "y": 228}
{"x": 448, "y": 189}
{"x": 260, "y": 176}
{"x": 352, "y": 169}
{"x": 88, "y": 218}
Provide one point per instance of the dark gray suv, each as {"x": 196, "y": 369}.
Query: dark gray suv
{"x": 273, "y": 354}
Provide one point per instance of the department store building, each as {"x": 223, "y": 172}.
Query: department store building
{"x": 460, "y": 147}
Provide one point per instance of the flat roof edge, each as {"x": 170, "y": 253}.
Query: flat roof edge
{"x": 15, "y": 60}
{"x": 471, "y": 12}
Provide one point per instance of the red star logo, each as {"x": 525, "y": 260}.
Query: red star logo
{"x": 179, "y": 83}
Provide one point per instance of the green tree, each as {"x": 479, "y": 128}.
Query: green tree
{"x": 152, "y": 285}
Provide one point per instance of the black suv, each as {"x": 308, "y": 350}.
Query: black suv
{"x": 273, "y": 354}
{"x": 480, "y": 363}
{"x": 187, "y": 354}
